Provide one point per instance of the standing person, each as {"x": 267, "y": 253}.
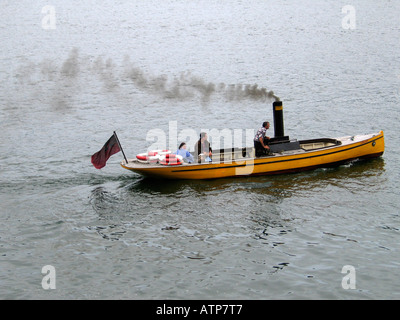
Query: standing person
{"x": 203, "y": 149}
{"x": 260, "y": 140}
{"x": 186, "y": 155}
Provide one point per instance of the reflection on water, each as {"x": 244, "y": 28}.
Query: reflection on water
{"x": 276, "y": 186}
{"x": 144, "y": 196}
{"x": 253, "y": 204}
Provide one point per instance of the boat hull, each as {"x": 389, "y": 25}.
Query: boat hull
{"x": 350, "y": 148}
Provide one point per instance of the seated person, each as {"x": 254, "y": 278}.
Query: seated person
{"x": 261, "y": 141}
{"x": 186, "y": 155}
{"x": 203, "y": 150}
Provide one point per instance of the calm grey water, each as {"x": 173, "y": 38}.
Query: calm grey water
{"x": 138, "y": 66}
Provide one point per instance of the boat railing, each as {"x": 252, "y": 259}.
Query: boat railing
{"x": 231, "y": 154}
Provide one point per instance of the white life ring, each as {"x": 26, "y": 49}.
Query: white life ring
{"x": 152, "y": 156}
{"x": 162, "y": 152}
{"x": 171, "y": 159}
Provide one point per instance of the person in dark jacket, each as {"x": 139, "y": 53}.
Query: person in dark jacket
{"x": 203, "y": 150}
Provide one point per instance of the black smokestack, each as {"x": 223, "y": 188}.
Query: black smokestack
{"x": 278, "y": 119}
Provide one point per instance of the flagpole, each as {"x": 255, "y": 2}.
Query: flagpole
{"x": 119, "y": 144}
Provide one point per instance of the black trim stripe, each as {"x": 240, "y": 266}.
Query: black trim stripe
{"x": 285, "y": 160}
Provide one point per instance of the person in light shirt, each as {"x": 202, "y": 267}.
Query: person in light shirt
{"x": 261, "y": 140}
{"x": 186, "y": 155}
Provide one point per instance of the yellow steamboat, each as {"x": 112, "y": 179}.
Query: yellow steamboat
{"x": 288, "y": 156}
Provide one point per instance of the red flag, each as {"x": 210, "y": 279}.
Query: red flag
{"x": 111, "y": 147}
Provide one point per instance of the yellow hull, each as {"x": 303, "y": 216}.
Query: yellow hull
{"x": 351, "y": 148}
